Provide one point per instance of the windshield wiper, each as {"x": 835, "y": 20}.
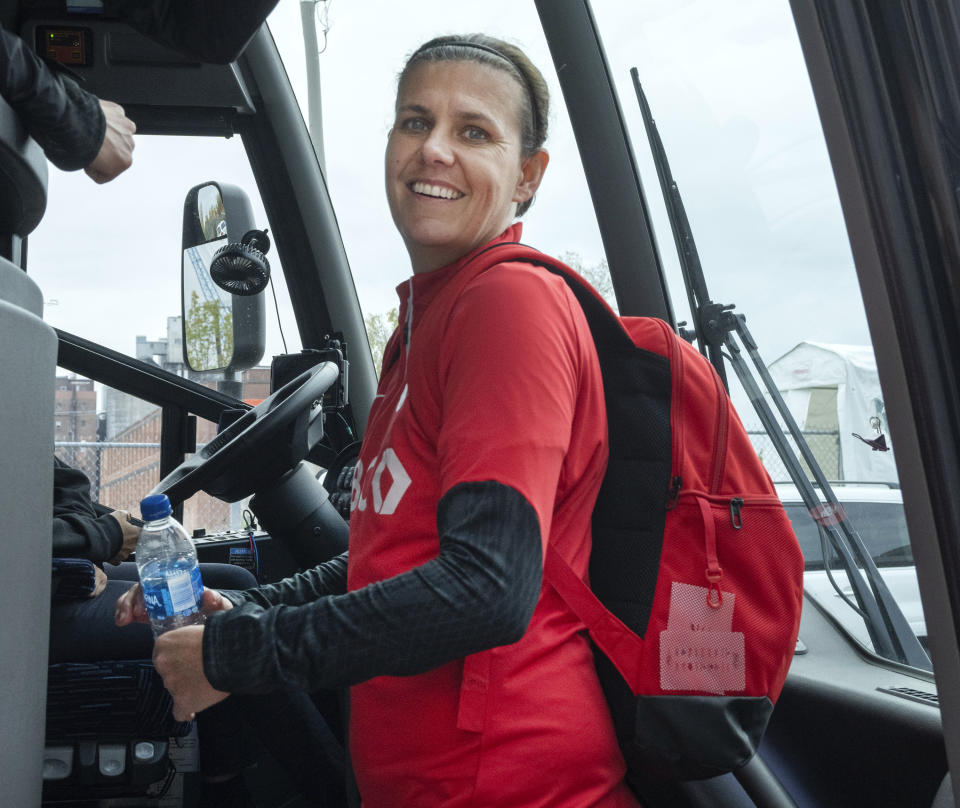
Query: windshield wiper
{"x": 714, "y": 327}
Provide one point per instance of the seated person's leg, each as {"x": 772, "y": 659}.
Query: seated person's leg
{"x": 127, "y": 571}
{"x": 84, "y": 630}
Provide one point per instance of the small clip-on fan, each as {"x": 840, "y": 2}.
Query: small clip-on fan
{"x": 241, "y": 268}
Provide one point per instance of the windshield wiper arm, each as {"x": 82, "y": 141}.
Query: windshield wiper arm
{"x": 703, "y": 309}
{"x": 715, "y": 325}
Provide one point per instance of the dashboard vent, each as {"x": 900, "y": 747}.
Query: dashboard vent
{"x": 913, "y": 695}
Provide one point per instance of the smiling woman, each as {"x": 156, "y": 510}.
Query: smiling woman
{"x": 498, "y": 470}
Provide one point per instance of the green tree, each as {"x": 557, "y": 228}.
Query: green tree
{"x": 379, "y": 329}
{"x": 209, "y": 334}
{"x": 598, "y": 276}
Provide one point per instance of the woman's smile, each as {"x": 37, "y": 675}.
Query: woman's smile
{"x": 435, "y": 190}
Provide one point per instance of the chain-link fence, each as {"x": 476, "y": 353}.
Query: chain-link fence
{"x": 824, "y": 444}
{"x": 122, "y": 473}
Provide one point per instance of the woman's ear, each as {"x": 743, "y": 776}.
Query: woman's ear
{"x": 531, "y": 173}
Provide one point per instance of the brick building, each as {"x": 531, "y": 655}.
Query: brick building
{"x": 74, "y": 421}
{"x": 130, "y": 461}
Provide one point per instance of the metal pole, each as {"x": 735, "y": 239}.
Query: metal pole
{"x": 311, "y": 50}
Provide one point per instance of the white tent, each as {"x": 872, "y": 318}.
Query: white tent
{"x": 836, "y": 387}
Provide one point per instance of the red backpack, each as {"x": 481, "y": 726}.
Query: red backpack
{"x": 696, "y": 577}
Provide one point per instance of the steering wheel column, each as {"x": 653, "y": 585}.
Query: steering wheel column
{"x": 297, "y": 510}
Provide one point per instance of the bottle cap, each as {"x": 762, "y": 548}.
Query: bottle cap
{"x": 156, "y": 506}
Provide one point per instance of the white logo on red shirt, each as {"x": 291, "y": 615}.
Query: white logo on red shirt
{"x": 384, "y": 504}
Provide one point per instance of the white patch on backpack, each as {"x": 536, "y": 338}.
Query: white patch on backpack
{"x": 699, "y": 650}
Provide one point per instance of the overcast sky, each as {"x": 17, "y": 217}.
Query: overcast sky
{"x": 726, "y": 82}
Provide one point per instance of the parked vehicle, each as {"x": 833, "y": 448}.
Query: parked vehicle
{"x": 876, "y": 512}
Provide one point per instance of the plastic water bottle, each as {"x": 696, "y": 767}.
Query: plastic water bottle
{"x": 167, "y": 563}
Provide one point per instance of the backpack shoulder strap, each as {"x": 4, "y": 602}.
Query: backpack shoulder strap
{"x": 619, "y": 644}
{"x": 604, "y": 323}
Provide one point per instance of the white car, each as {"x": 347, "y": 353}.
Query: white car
{"x": 875, "y": 511}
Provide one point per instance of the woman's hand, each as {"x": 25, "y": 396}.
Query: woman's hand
{"x": 131, "y": 608}
{"x": 178, "y": 658}
{"x": 212, "y": 601}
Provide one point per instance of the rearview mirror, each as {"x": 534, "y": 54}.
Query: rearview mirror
{"x": 221, "y": 331}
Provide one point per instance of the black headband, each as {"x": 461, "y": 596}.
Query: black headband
{"x": 463, "y": 43}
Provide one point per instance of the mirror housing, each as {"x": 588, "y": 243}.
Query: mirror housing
{"x": 221, "y": 331}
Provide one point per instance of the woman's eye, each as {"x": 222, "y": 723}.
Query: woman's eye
{"x": 476, "y": 133}
{"x": 413, "y": 125}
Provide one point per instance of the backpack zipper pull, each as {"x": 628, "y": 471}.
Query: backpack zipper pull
{"x": 736, "y": 517}
{"x": 674, "y": 493}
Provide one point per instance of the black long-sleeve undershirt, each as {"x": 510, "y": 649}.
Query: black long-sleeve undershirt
{"x": 479, "y": 592}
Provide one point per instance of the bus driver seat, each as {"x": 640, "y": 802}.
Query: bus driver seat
{"x": 106, "y": 724}
{"x": 28, "y": 360}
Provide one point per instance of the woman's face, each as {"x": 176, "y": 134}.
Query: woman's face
{"x": 454, "y": 170}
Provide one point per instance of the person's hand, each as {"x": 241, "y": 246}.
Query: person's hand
{"x": 131, "y": 533}
{"x": 130, "y": 607}
{"x": 99, "y": 581}
{"x": 178, "y": 658}
{"x": 116, "y": 152}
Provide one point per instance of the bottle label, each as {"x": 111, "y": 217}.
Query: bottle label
{"x": 174, "y": 592}
{"x": 181, "y": 586}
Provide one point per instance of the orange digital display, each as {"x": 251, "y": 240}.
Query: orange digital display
{"x": 68, "y": 46}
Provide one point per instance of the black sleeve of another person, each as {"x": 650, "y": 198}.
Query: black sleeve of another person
{"x": 81, "y": 527}
{"x": 65, "y": 120}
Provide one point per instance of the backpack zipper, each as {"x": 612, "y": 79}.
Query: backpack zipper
{"x": 676, "y": 424}
{"x": 736, "y": 513}
{"x": 735, "y": 505}
{"x": 725, "y": 499}
{"x": 674, "y": 493}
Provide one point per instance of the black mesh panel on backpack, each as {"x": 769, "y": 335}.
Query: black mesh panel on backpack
{"x": 629, "y": 516}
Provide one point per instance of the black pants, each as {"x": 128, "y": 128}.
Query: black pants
{"x": 286, "y": 722}
{"x": 84, "y": 630}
